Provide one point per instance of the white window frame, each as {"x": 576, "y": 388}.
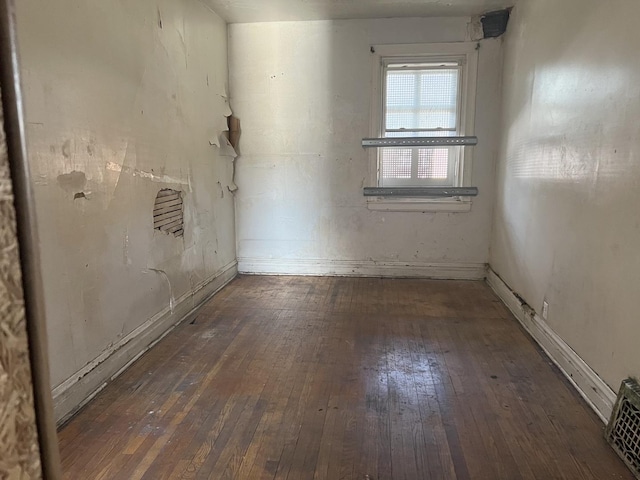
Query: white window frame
{"x": 467, "y": 54}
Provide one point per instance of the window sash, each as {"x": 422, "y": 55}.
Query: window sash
{"x": 418, "y": 166}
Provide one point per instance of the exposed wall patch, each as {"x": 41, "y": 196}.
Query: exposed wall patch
{"x": 73, "y": 181}
{"x": 234, "y": 131}
{"x": 168, "y": 212}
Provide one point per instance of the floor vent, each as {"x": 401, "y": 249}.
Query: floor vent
{"x": 623, "y": 430}
{"x": 168, "y": 212}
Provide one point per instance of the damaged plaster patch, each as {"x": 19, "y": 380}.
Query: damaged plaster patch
{"x": 72, "y": 182}
{"x": 474, "y": 29}
{"x": 224, "y": 135}
{"x": 233, "y": 124}
{"x": 168, "y": 212}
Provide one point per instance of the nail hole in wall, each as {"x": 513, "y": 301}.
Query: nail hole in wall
{"x": 168, "y": 214}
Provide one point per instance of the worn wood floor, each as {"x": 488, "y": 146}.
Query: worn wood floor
{"x": 341, "y": 378}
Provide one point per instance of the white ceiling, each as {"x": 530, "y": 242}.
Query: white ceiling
{"x": 245, "y": 11}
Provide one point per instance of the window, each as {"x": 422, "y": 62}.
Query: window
{"x": 423, "y": 91}
{"x": 420, "y": 100}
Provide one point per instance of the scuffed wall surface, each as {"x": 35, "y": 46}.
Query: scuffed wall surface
{"x": 123, "y": 99}
{"x": 19, "y": 452}
{"x": 302, "y": 91}
{"x": 566, "y": 218}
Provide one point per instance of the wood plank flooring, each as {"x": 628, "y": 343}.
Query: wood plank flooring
{"x": 341, "y": 378}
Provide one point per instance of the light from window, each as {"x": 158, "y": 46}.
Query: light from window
{"x": 420, "y": 100}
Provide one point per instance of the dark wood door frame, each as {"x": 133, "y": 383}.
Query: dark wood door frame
{"x": 28, "y": 241}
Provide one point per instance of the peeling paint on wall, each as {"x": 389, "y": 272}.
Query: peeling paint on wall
{"x": 119, "y": 100}
{"x": 221, "y": 123}
{"x": 226, "y": 149}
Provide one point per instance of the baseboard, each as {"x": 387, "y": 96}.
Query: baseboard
{"x": 362, "y": 268}
{"x": 81, "y": 387}
{"x": 590, "y": 386}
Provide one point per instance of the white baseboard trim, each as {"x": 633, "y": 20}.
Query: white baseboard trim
{"x": 587, "y": 382}
{"x": 362, "y": 268}
{"x": 82, "y": 386}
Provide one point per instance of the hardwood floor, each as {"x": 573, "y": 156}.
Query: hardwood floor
{"x": 341, "y": 378}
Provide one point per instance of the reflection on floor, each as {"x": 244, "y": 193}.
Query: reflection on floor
{"x": 341, "y": 378}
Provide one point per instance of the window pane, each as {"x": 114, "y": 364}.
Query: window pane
{"x": 433, "y": 163}
{"x": 422, "y": 98}
{"x": 401, "y": 89}
{"x": 438, "y": 98}
{"x": 396, "y": 163}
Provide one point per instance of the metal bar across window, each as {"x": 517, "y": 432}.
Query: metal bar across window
{"x": 420, "y": 191}
{"x": 418, "y": 141}
{"x": 413, "y": 130}
{"x": 421, "y": 67}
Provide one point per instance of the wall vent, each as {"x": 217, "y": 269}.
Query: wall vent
{"x": 168, "y": 212}
{"x": 623, "y": 430}
{"x": 495, "y": 23}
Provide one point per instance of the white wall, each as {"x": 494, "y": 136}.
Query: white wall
{"x": 566, "y": 221}
{"x": 122, "y": 99}
{"x": 302, "y": 91}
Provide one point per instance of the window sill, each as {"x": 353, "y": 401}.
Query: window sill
{"x": 450, "y": 205}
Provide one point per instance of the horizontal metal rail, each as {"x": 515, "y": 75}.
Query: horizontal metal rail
{"x": 420, "y": 191}
{"x": 418, "y": 142}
